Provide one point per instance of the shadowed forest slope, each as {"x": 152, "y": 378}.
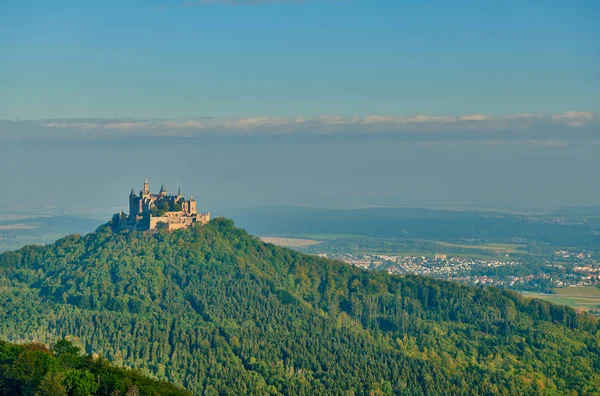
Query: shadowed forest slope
{"x": 35, "y": 369}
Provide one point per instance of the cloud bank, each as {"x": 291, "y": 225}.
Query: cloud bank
{"x": 551, "y": 129}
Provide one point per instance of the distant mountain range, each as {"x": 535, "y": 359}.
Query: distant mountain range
{"x": 578, "y": 211}
{"x": 42, "y": 230}
{"x": 217, "y": 311}
{"x": 583, "y": 228}
{"x": 419, "y": 223}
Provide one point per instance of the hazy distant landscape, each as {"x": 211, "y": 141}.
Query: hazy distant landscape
{"x": 42, "y": 230}
{"x": 556, "y": 252}
{"x": 422, "y": 223}
{"x": 289, "y": 197}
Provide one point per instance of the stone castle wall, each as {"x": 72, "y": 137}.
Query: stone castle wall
{"x": 141, "y": 206}
{"x": 177, "y": 220}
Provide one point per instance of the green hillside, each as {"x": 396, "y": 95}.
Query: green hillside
{"x": 34, "y": 369}
{"x": 214, "y": 309}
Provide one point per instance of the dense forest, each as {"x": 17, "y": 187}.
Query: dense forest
{"x": 215, "y": 310}
{"x": 34, "y": 369}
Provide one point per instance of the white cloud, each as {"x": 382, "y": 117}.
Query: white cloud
{"x": 575, "y": 118}
{"x": 554, "y": 129}
{"x": 474, "y": 117}
{"x": 572, "y": 119}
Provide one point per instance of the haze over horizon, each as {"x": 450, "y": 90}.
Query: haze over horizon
{"x": 322, "y": 103}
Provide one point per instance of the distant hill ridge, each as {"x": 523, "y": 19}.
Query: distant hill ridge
{"x": 419, "y": 223}
{"x": 214, "y": 309}
{"x": 578, "y": 211}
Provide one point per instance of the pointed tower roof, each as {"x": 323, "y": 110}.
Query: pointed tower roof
{"x": 163, "y": 189}
{"x": 132, "y": 192}
{"x": 179, "y": 192}
{"x": 146, "y": 180}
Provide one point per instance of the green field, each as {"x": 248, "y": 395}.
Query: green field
{"x": 479, "y": 252}
{"x": 492, "y": 247}
{"x": 495, "y": 247}
{"x": 321, "y": 237}
{"x": 583, "y": 291}
{"x": 290, "y": 242}
{"x": 585, "y": 298}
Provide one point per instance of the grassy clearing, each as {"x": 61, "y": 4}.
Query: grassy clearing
{"x": 495, "y": 247}
{"x": 290, "y": 242}
{"x": 323, "y": 237}
{"x": 584, "y": 298}
{"x": 584, "y": 291}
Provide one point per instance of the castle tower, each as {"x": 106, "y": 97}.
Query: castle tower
{"x": 145, "y": 193}
{"x": 192, "y": 209}
{"x": 180, "y": 212}
{"x": 134, "y": 206}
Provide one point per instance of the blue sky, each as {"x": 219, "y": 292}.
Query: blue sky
{"x": 141, "y": 59}
{"x": 324, "y": 103}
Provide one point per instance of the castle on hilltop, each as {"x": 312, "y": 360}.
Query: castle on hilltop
{"x": 149, "y": 211}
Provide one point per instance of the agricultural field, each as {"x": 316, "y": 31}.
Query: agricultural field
{"x": 585, "y": 298}
{"x": 494, "y": 247}
{"x": 289, "y": 242}
{"x": 322, "y": 237}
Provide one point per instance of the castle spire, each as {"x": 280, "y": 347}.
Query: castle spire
{"x": 146, "y": 186}
{"x": 163, "y": 191}
{"x": 132, "y": 192}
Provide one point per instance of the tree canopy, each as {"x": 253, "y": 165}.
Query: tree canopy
{"x": 215, "y": 310}
{"x": 35, "y": 369}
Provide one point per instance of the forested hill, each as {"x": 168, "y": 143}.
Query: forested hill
{"x": 34, "y": 369}
{"x": 215, "y": 310}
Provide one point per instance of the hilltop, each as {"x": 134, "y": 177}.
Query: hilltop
{"x": 214, "y": 309}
